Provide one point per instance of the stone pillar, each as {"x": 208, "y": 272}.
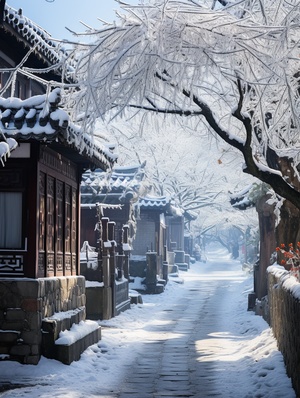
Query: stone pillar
{"x": 165, "y": 270}
{"x": 107, "y": 290}
{"x": 179, "y": 256}
{"x": 104, "y": 221}
{"x": 171, "y": 258}
{"x": 107, "y": 303}
{"x": 125, "y": 246}
{"x": 106, "y": 272}
{"x": 125, "y": 233}
{"x": 151, "y": 272}
{"x": 120, "y": 256}
{"x": 120, "y": 260}
{"x": 112, "y": 244}
{"x": 107, "y": 311}
{"x": 165, "y": 255}
{"x": 112, "y": 262}
{"x": 126, "y": 265}
{"x": 105, "y": 256}
{"x": 165, "y": 264}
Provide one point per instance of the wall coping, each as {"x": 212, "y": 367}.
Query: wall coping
{"x": 286, "y": 280}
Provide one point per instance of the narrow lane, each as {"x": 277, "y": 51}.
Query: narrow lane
{"x": 195, "y": 345}
{"x": 168, "y": 366}
{"x": 194, "y": 340}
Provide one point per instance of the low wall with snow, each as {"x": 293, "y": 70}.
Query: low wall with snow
{"x": 284, "y": 305}
{"x": 25, "y": 304}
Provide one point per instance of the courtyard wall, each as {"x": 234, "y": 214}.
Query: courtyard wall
{"x": 284, "y": 316}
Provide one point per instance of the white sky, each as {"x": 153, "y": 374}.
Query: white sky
{"x": 243, "y": 349}
{"x": 56, "y": 15}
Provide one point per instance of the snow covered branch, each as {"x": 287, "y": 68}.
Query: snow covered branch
{"x": 232, "y": 66}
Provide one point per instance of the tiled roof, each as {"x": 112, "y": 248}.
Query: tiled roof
{"x": 40, "y": 118}
{"x": 119, "y": 186}
{"x": 33, "y": 34}
{"x": 154, "y": 202}
{"x": 160, "y": 203}
{"x": 112, "y": 187}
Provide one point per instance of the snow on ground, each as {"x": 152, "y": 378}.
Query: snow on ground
{"x": 242, "y": 340}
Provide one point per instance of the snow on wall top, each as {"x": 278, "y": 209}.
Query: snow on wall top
{"x": 39, "y": 117}
{"x": 287, "y": 281}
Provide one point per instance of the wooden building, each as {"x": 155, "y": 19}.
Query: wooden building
{"x": 40, "y": 199}
{"x": 107, "y": 201}
{"x": 115, "y": 192}
{"x": 151, "y": 235}
{"x": 156, "y": 224}
{"x": 42, "y": 177}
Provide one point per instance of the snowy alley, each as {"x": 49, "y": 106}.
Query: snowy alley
{"x": 194, "y": 340}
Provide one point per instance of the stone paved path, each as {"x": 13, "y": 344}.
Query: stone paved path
{"x": 170, "y": 364}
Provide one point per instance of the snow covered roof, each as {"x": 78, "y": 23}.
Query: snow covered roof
{"x": 119, "y": 186}
{"x": 190, "y": 215}
{"x": 6, "y": 146}
{"x": 154, "y": 202}
{"x": 160, "y": 203}
{"x": 32, "y": 34}
{"x": 116, "y": 186}
{"x": 40, "y": 118}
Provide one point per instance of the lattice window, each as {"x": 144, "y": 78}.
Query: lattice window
{"x": 42, "y": 210}
{"x": 74, "y": 221}
{"x": 10, "y": 220}
{"x": 60, "y": 216}
{"x": 68, "y": 219}
{"x": 50, "y": 214}
{"x": 58, "y": 226}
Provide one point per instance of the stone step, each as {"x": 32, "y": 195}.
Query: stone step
{"x": 63, "y": 320}
{"x": 9, "y": 336}
{"x": 123, "y": 306}
{"x": 66, "y": 335}
{"x": 182, "y": 266}
{"x": 71, "y": 343}
{"x": 135, "y": 297}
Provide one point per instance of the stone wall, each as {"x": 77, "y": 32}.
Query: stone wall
{"x": 24, "y": 303}
{"x": 61, "y": 294}
{"x": 284, "y": 306}
{"x": 145, "y": 239}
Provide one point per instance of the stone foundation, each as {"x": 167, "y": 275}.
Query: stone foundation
{"x": 99, "y": 302}
{"x": 106, "y": 302}
{"x": 25, "y": 303}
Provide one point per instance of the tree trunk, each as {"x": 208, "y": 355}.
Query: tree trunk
{"x": 266, "y": 218}
{"x": 288, "y": 230}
